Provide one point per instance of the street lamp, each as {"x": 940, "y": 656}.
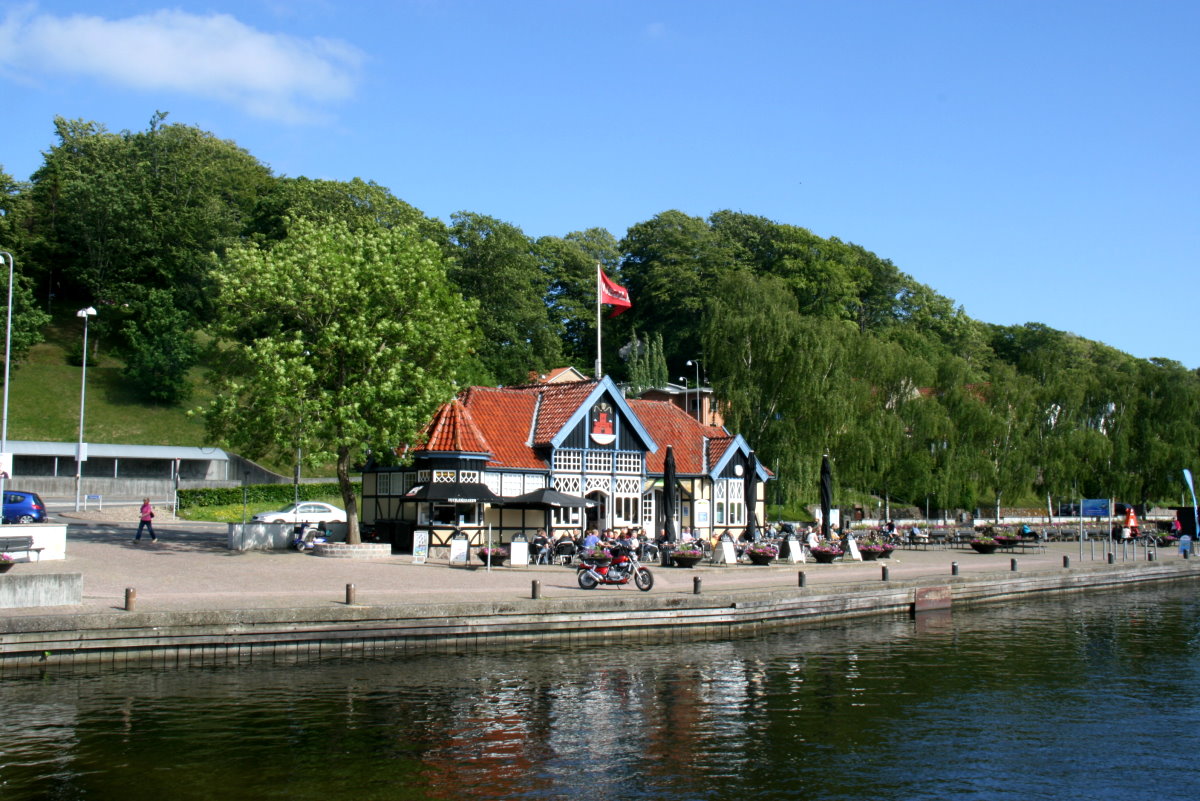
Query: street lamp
{"x": 80, "y": 453}
{"x": 696, "y": 363}
{"x": 4, "y": 458}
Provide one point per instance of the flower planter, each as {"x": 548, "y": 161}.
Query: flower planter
{"x": 497, "y": 559}
{"x": 869, "y": 555}
{"x": 686, "y": 561}
{"x": 760, "y": 559}
{"x": 985, "y": 547}
{"x": 826, "y": 557}
{"x": 6, "y": 566}
{"x": 886, "y": 553}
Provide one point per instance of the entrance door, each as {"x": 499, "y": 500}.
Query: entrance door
{"x": 597, "y": 516}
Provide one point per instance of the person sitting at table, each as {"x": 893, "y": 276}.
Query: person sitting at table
{"x": 592, "y": 539}
{"x": 916, "y": 535}
{"x": 541, "y": 548}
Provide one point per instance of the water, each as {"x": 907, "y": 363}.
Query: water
{"x": 1076, "y": 697}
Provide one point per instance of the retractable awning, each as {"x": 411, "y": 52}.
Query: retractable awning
{"x": 454, "y": 492}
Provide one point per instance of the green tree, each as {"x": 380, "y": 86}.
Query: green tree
{"x": 160, "y": 348}
{"x": 28, "y": 320}
{"x": 570, "y": 263}
{"x": 335, "y": 340}
{"x": 495, "y": 264}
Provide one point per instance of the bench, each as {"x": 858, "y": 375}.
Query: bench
{"x": 25, "y": 544}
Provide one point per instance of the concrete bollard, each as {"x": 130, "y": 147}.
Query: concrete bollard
{"x": 1112, "y": 557}
{"x": 1013, "y": 565}
{"x": 130, "y": 598}
{"x": 954, "y": 568}
{"x": 349, "y": 595}
{"x": 1187, "y": 553}
{"x": 1066, "y": 561}
{"x": 803, "y": 579}
{"x": 1150, "y": 556}
{"x": 883, "y": 573}
{"x": 695, "y": 585}
{"x": 536, "y": 590}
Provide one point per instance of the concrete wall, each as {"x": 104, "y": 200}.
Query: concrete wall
{"x": 50, "y": 537}
{"x": 22, "y": 591}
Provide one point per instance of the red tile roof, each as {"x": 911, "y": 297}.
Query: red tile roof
{"x": 453, "y": 430}
{"x": 667, "y": 424}
{"x": 514, "y": 424}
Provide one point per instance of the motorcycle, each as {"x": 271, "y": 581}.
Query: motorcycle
{"x": 307, "y": 538}
{"x": 623, "y": 566}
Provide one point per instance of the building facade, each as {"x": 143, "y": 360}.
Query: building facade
{"x": 497, "y": 462}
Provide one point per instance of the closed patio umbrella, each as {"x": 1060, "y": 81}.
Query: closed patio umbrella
{"x": 751, "y": 497}
{"x": 669, "y": 495}
{"x": 826, "y": 495}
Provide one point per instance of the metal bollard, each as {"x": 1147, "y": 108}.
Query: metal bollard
{"x": 536, "y": 590}
{"x": 1013, "y": 565}
{"x": 1066, "y": 560}
{"x": 883, "y": 574}
{"x": 1187, "y": 553}
{"x": 954, "y": 568}
{"x": 1112, "y": 557}
{"x": 803, "y": 579}
{"x": 130, "y": 598}
{"x": 1149, "y": 556}
{"x": 695, "y": 585}
{"x": 349, "y": 595}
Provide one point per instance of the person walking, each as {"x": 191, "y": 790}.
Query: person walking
{"x": 147, "y": 514}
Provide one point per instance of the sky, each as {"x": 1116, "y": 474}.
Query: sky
{"x": 1033, "y": 160}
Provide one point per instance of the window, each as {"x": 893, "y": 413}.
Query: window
{"x": 626, "y": 509}
{"x": 443, "y": 476}
{"x": 406, "y": 482}
{"x": 629, "y": 462}
{"x": 566, "y": 516}
{"x": 383, "y": 483}
{"x": 568, "y": 461}
{"x": 512, "y": 485}
{"x": 468, "y": 476}
{"x": 598, "y": 462}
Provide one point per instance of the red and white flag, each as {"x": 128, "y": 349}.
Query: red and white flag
{"x": 613, "y": 294}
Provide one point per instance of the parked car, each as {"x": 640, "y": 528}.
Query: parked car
{"x": 23, "y": 507}
{"x": 303, "y": 512}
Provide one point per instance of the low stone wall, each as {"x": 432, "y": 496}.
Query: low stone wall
{"x": 271, "y": 536}
{"x": 170, "y": 639}
{"x": 23, "y": 591}
{"x": 365, "y": 550}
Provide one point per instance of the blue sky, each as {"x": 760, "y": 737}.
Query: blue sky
{"x": 1033, "y": 160}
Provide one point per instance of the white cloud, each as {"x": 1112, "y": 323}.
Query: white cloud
{"x": 216, "y": 56}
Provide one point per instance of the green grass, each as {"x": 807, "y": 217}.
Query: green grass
{"x": 44, "y": 395}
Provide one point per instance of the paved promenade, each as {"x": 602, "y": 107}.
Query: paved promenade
{"x": 190, "y": 568}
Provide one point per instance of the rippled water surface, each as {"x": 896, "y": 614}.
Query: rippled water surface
{"x": 1075, "y": 697}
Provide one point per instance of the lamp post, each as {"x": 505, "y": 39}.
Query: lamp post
{"x": 684, "y": 381}
{"x": 80, "y": 453}
{"x": 7, "y": 361}
{"x": 696, "y": 363}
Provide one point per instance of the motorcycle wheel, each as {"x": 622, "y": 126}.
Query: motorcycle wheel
{"x": 587, "y": 581}
{"x": 643, "y": 579}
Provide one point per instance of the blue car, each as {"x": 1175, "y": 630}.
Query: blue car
{"x": 23, "y": 507}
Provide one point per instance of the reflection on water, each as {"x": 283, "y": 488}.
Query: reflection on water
{"x": 1074, "y": 697}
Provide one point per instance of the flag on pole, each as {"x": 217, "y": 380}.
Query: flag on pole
{"x": 613, "y": 294}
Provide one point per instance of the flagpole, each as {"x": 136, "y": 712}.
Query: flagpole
{"x": 599, "y": 372}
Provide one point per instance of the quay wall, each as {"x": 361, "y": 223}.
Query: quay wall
{"x": 215, "y": 637}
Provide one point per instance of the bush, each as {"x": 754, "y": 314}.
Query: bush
{"x": 279, "y": 494}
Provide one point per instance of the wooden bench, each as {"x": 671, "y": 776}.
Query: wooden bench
{"x": 8, "y": 544}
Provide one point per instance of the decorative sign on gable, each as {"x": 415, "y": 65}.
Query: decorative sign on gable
{"x": 602, "y": 424}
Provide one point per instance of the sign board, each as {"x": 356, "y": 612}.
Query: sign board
{"x": 1095, "y": 507}
{"x": 835, "y": 519}
{"x": 420, "y": 546}
{"x": 459, "y": 552}
{"x": 518, "y": 551}
{"x": 852, "y": 549}
{"x": 795, "y": 551}
{"x": 81, "y": 452}
{"x": 701, "y": 513}
{"x": 728, "y": 554}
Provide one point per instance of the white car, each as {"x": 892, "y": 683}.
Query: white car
{"x": 303, "y": 512}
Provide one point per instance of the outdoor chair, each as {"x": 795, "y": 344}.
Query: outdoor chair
{"x": 563, "y": 553}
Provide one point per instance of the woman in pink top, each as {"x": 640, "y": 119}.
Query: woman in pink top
{"x": 147, "y": 515}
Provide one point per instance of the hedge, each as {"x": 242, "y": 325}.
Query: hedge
{"x": 281, "y": 494}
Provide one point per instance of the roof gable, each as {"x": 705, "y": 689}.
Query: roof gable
{"x": 453, "y": 430}
{"x": 551, "y": 420}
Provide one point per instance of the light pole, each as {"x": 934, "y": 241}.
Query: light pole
{"x": 80, "y": 453}
{"x": 683, "y": 381}
{"x": 6, "y": 466}
{"x": 696, "y": 363}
